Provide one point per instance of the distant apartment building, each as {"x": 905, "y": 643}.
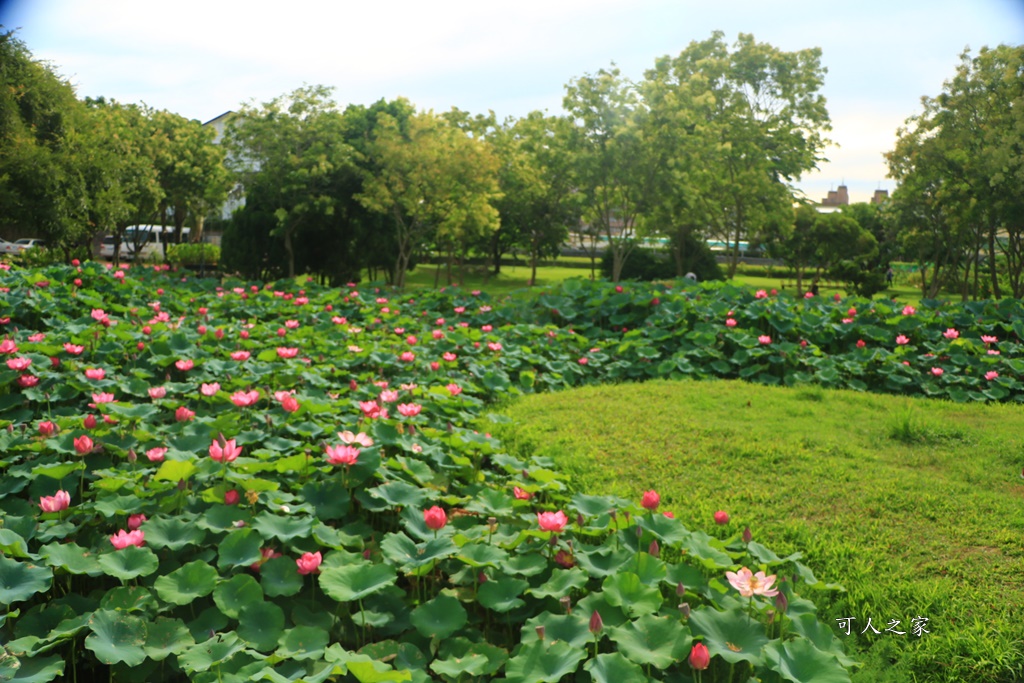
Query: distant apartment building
{"x": 839, "y": 197}
{"x": 880, "y": 197}
{"x": 236, "y": 198}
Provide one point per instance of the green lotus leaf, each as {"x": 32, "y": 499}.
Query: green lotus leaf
{"x": 799, "y": 661}
{"x": 280, "y": 577}
{"x": 167, "y": 637}
{"x": 237, "y": 593}
{"x": 480, "y": 555}
{"x": 731, "y": 634}
{"x": 356, "y": 581}
{"x": 439, "y": 617}
{"x": 261, "y": 625}
{"x": 173, "y": 533}
{"x": 406, "y": 656}
{"x": 526, "y": 565}
{"x": 650, "y": 640}
{"x": 57, "y": 470}
{"x": 34, "y": 670}
{"x": 543, "y": 660}
{"x": 282, "y": 528}
{"x": 206, "y": 654}
{"x": 187, "y": 583}
{"x": 402, "y": 551}
{"x": 399, "y": 494}
{"x": 562, "y": 582}
{"x": 572, "y": 628}
{"x": 117, "y": 637}
{"x": 330, "y": 498}
{"x": 613, "y": 668}
{"x": 625, "y": 590}
{"x": 302, "y": 642}
{"x": 70, "y": 557}
{"x": 651, "y": 570}
{"x": 502, "y": 595}
{"x": 239, "y": 548}
{"x": 708, "y": 550}
{"x": 21, "y": 580}
{"x": 602, "y": 561}
{"x": 813, "y": 629}
{"x": 129, "y": 599}
{"x": 365, "y": 669}
{"x": 459, "y": 657}
{"x": 129, "y": 562}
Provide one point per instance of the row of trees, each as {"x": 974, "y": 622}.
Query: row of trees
{"x": 706, "y": 145}
{"x": 70, "y": 169}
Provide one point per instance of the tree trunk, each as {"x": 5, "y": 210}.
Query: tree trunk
{"x": 290, "y": 251}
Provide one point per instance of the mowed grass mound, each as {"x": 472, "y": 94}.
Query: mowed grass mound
{"x": 914, "y": 506}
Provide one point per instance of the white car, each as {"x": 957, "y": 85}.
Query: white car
{"x": 8, "y": 247}
{"x": 28, "y": 243}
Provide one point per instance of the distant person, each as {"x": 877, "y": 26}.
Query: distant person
{"x": 692, "y": 277}
{"x": 889, "y": 276}
{"x": 814, "y": 287}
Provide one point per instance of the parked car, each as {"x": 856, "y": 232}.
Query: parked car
{"x": 8, "y": 247}
{"x": 28, "y": 243}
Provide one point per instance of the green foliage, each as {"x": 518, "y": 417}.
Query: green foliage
{"x": 648, "y": 264}
{"x": 883, "y": 493}
{"x": 193, "y": 254}
{"x": 285, "y": 560}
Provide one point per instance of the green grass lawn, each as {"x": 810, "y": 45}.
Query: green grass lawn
{"x": 913, "y": 506}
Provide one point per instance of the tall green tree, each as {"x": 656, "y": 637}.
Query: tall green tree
{"x": 739, "y": 127}
{"x": 435, "y": 183}
{"x": 960, "y": 166}
{"x": 615, "y": 162}
{"x": 292, "y": 151}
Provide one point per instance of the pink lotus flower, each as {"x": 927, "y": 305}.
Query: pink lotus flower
{"x": 209, "y": 389}
{"x": 73, "y": 349}
{"x": 55, "y": 503}
{"x": 157, "y": 392}
{"x": 749, "y": 584}
{"x": 231, "y": 497}
{"x": 19, "y": 364}
{"x": 27, "y": 381}
{"x": 764, "y": 339}
{"x": 991, "y": 375}
{"x": 583, "y": 361}
{"x": 808, "y": 295}
{"x": 989, "y": 339}
{"x": 851, "y": 311}
{"x": 240, "y": 355}
{"x": 89, "y": 422}
{"x": 83, "y": 445}
{"x": 650, "y": 500}
{"x": 435, "y": 518}
{"x": 700, "y": 658}
{"x": 901, "y": 340}
{"x": 448, "y": 356}
{"x": 266, "y": 554}
{"x": 434, "y": 365}
{"x": 103, "y": 397}
{"x": 407, "y": 357}
{"x": 372, "y": 411}
{"x": 730, "y": 322}
{"x": 47, "y": 429}
{"x": 951, "y": 333}
{"x": 909, "y": 310}
{"x": 7, "y": 346}
{"x": 342, "y": 455}
{"x": 98, "y": 314}
{"x": 454, "y": 389}
{"x": 308, "y": 563}
{"x": 494, "y": 346}
{"x": 243, "y": 399}
{"x": 760, "y": 294}
{"x": 361, "y": 438}
{"x": 486, "y": 328}
{"x": 122, "y": 539}
{"x": 388, "y": 396}
{"x": 937, "y": 372}
{"x": 409, "y": 409}
{"x": 226, "y": 451}
{"x": 520, "y": 494}
{"x": 290, "y": 404}
{"x": 552, "y": 521}
{"x": 135, "y": 521}
{"x": 183, "y": 414}
{"x": 721, "y": 517}
{"x": 287, "y": 352}
{"x": 156, "y": 454}
{"x": 861, "y": 344}
{"x": 185, "y": 364}
{"x": 437, "y": 334}
{"x": 291, "y": 324}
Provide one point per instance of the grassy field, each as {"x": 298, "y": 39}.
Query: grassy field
{"x": 913, "y": 506}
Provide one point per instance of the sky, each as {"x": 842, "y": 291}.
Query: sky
{"x": 200, "y": 58}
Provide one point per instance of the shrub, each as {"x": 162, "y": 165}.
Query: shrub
{"x": 193, "y": 254}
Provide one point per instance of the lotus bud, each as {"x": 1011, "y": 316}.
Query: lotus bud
{"x": 481, "y": 577}
{"x": 771, "y": 616}
{"x": 553, "y": 541}
{"x": 366, "y": 554}
{"x": 596, "y": 625}
{"x": 684, "y": 609}
{"x": 747, "y": 535}
{"x": 566, "y": 603}
{"x": 639, "y": 531}
{"x": 781, "y": 602}
{"x": 614, "y": 515}
{"x": 540, "y": 632}
{"x": 680, "y": 589}
{"x": 132, "y": 457}
{"x": 653, "y": 549}
{"x": 181, "y": 484}
{"x": 626, "y": 515}
{"x": 579, "y": 519}
{"x": 526, "y": 474}
{"x": 492, "y": 524}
